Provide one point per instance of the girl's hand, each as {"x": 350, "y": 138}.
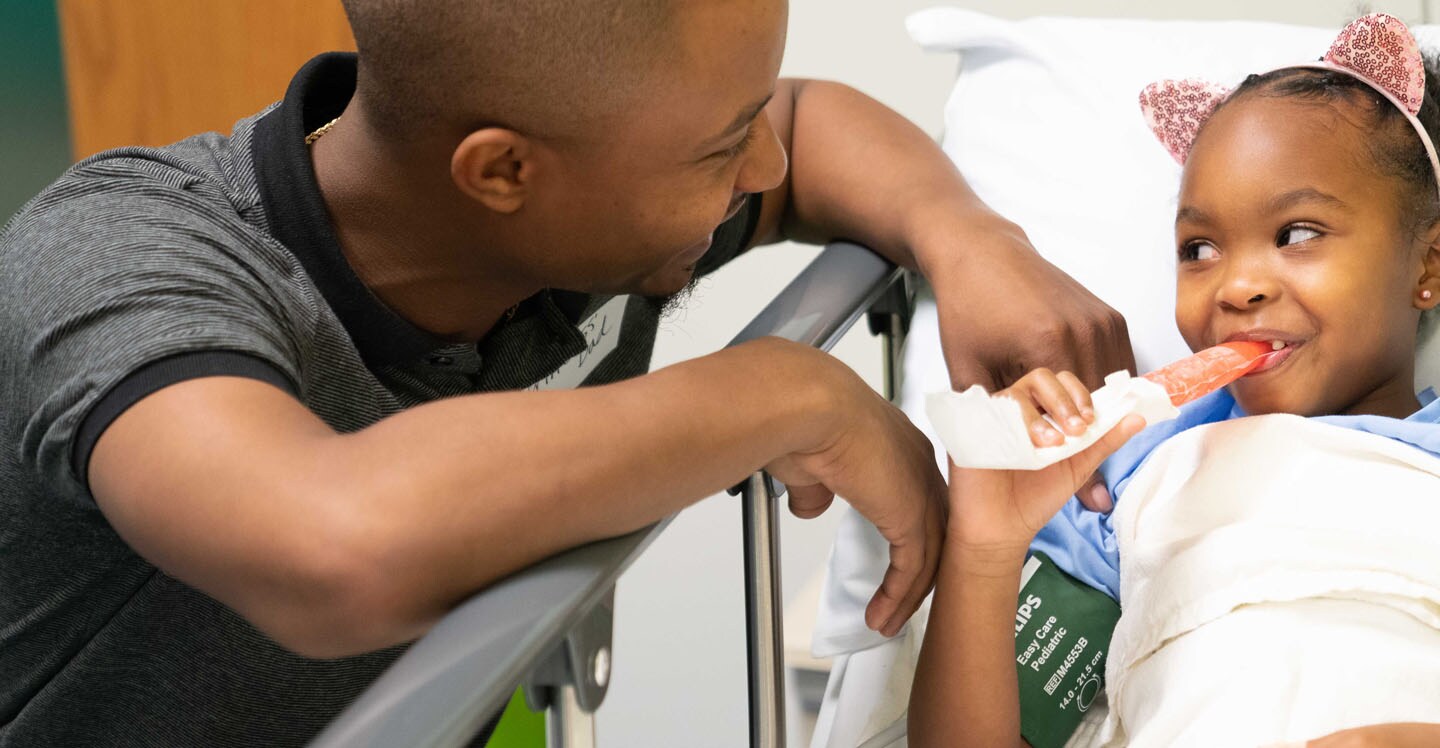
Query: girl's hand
{"x": 1064, "y": 398}
{"x": 997, "y": 512}
{"x": 1061, "y": 396}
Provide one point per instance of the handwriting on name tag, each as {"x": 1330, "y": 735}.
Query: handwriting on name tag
{"x": 601, "y": 331}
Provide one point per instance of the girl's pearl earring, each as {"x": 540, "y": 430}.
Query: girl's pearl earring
{"x": 1426, "y": 294}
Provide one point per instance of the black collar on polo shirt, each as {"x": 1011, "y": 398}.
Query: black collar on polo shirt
{"x": 299, "y": 219}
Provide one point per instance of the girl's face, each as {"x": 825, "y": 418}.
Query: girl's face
{"x": 1287, "y": 232}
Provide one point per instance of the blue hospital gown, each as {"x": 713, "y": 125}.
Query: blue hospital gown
{"x": 1082, "y": 542}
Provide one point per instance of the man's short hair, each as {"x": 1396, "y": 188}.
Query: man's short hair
{"x": 543, "y": 67}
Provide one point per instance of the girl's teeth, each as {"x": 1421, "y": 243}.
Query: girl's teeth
{"x": 1276, "y": 345}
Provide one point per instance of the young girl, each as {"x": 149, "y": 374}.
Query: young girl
{"x": 1277, "y": 575}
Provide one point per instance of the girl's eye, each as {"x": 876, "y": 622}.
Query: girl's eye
{"x": 1294, "y": 235}
{"x": 1198, "y": 251}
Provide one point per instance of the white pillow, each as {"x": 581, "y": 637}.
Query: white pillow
{"x": 1044, "y": 123}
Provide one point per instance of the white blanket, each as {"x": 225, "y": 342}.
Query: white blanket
{"x": 1280, "y": 580}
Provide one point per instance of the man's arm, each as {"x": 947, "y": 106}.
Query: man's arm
{"x": 860, "y": 171}
{"x": 338, "y": 544}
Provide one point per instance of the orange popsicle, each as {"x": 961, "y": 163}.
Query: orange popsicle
{"x": 1198, "y": 375}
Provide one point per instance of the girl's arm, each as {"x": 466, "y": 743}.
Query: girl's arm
{"x": 965, "y": 690}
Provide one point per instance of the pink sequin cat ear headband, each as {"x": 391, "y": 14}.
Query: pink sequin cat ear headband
{"x": 1377, "y": 49}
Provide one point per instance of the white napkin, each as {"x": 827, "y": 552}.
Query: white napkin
{"x": 984, "y": 431}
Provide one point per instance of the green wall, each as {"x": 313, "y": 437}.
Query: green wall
{"x": 34, "y": 131}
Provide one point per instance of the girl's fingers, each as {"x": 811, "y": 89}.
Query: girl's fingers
{"x": 1062, "y": 397}
{"x": 1042, "y": 434}
{"x": 1052, "y": 397}
{"x": 1079, "y": 394}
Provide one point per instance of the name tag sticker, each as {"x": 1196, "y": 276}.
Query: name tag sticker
{"x": 1062, "y": 632}
{"x": 602, "y": 336}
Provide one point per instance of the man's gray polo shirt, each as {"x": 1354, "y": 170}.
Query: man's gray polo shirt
{"x": 143, "y": 267}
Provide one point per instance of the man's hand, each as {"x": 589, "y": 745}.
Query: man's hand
{"x": 1004, "y": 310}
{"x": 881, "y": 181}
{"x": 873, "y": 456}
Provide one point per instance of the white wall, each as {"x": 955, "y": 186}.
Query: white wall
{"x": 679, "y": 673}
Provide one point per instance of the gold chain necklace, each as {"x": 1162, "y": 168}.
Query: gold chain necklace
{"x": 320, "y": 131}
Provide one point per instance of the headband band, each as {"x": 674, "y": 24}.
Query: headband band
{"x": 1377, "y": 50}
{"x": 1409, "y": 117}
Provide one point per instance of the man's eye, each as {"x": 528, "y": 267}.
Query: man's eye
{"x": 1198, "y": 251}
{"x": 1294, "y": 235}
{"x": 738, "y": 148}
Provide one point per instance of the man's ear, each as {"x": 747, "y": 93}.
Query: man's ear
{"x": 1427, "y": 287}
{"x": 494, "y": 167}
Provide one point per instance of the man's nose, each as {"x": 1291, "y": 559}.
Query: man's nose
{"x": 765, "y": 162}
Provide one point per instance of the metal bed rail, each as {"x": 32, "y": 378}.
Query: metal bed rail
{"x": 548, "y": 627}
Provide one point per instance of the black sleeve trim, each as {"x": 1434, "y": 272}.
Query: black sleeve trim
{"x": 157, "y": 375}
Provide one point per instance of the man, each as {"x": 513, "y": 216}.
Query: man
{"x": 279, "y": 400}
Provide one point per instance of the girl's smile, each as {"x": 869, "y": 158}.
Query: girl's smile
{"x": 1271, "y": 361}
{"x": 1282, "y": 344}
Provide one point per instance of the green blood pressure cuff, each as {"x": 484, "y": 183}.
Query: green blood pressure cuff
{"x": 1062, "y": 632}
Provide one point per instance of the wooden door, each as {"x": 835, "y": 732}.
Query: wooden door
{"x": 150, "y": 72}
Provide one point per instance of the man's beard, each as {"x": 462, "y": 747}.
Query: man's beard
{"x": 670, "y": 304}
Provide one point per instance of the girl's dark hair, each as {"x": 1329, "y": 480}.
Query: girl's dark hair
{"x": 1395, "y": 146}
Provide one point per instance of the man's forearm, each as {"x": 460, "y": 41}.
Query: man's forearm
{"x": 861, "y": 171}
{"x": 464, "y": 491}
{"x": 338, "y": 544}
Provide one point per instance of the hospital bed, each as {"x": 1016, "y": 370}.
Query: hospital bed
{"x": 1044, "y": 122}
{"x": 548, "y": 628}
